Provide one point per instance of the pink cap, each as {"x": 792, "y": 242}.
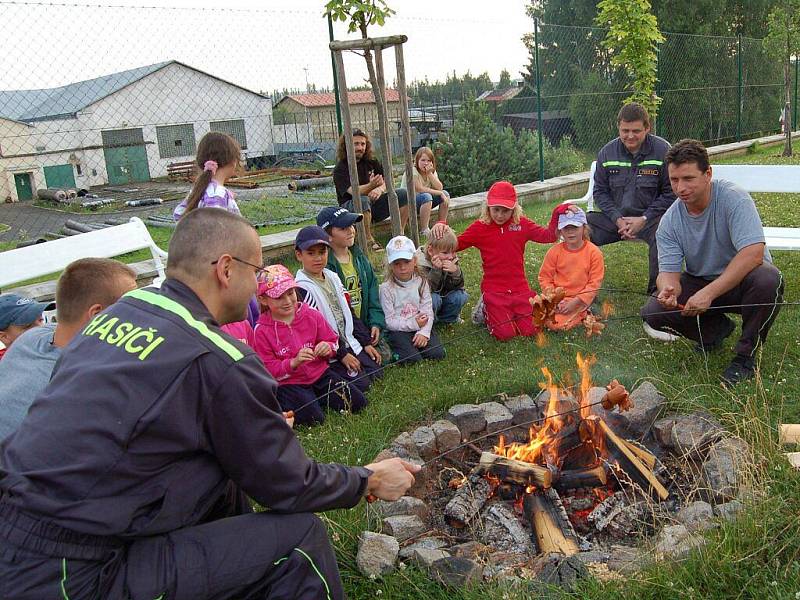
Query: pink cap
{"x": 274, "y": 281}
{"x": 502, "y": 193}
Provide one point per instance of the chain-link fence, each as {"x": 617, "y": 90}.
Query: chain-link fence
{"x": 111, "y": 101}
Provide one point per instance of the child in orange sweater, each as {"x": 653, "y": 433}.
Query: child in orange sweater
{"x": 576, "y": 265}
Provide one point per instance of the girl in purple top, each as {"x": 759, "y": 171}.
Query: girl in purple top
{"x": 218, "y": 157}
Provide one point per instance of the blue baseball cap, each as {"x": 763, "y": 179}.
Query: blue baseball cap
{"x": 18, "y": 310}
{"x": 337, "y": 216}
{"x": 311, "y": 236}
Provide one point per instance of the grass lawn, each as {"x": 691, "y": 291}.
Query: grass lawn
{"x": 754, "y": 557}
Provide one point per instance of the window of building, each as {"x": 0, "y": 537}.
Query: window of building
{"x": 175, "y": 140}
{"x": 234, "y": 128}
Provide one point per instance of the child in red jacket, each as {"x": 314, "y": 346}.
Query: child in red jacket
{"x": 295, "y": 342}
{"x": 500, "y": 234}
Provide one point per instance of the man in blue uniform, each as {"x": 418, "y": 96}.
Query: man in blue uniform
{"x": 126, "y": 479}
{"x": 631, "y": 186}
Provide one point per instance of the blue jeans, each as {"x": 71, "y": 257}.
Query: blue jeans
{"x": 425, "y": 197}
{"x": 446, "y": 309}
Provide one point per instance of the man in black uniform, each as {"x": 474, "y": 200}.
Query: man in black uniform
{"x": 375, "y": 206}
{"x": 631, "y": 186}
{"x": 126, "y": 479}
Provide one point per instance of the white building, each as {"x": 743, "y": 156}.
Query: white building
{"x": 122, "y": 128}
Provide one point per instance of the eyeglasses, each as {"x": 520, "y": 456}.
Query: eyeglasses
{"x": 259, "y": 270}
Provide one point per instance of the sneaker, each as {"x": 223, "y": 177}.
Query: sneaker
{"x": 713, "y": 345}
{"x": 424, "y": 233}
{"x": 741, "y": 368}
{"x": 657, "y": 334}
{"x": 477, "y": 316}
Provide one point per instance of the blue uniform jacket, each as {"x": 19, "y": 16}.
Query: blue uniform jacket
{"x": 150, "y": 413}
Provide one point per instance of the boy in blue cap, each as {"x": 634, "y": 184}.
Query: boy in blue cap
{"x": 17, "y": 315}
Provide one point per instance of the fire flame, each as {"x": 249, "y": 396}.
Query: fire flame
{"x": 585, "y": 366}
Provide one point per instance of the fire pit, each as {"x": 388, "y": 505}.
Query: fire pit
{"x": 547, "y": 488}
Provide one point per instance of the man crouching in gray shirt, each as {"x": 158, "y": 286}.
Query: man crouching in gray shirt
{"x": 716, "y": 232}
{"x": 86, "y": 287}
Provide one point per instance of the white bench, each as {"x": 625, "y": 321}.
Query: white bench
{"x": 782, "y": 179}
{"x": 38, "y": 260}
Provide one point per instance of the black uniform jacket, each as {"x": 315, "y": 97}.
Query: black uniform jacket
{"x": 151, "y": 412}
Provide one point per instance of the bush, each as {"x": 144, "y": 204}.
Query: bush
{"x": 476, "y": 153}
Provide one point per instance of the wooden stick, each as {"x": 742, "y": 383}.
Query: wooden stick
{"x": 576, "y": 478}
{"x": 368, "y": 43}
{"x": 790, "y": 433}
{"x": 379, "y": 93}
{"x": 632, "y": 466}
{"x": 553, "y": 531}
{"x": 405, "y": 127}
{"x": 794, "y": 459}
{"x": 467, "y": 502}
{"x": 516, "y": 471}
{"x": 643, "y": 455}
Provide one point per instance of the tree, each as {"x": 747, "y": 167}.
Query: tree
{"x": 632, "y": 39}
{"x": 783, "y": 41}
{"x": 505, "y": 80}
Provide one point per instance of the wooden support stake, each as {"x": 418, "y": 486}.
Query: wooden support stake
{"x": 405, "y": 132}
{"x": 629, "y": 463}
{"x": 516, "y": 471}
{"x": 790, "y": 433}
{"x": 351, "y": 153}
{"x": 552, "y": 529}
{"x": 386, "y": 145}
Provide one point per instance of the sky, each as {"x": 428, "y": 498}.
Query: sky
{"x": 262, "y": 45}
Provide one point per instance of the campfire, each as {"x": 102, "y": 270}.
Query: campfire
{"x": 573, "y": 446}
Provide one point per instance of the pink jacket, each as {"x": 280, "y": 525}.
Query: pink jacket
{"x": 278, "y": 343}
{"x": 241, "y": 330}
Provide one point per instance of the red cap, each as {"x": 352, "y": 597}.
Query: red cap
{"x": 502, "y": 193}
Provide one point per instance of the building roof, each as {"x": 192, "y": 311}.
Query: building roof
{"x": 328, "y": 99}
{"x": 67, "y": 100}
{"x": 500, "y": 95}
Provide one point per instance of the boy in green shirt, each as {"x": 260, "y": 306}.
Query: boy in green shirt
{"x": 354, "y": 269}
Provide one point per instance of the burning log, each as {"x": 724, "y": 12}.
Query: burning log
{"x": 578, "y": 478}
{"x": 467, "y": 501}
{"x": 630, "y": 463}
{"x": 553, "y": 531}
{"x": 516, "y": 471}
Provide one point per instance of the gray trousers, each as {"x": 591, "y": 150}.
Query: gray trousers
{"x": 763, "y": 286}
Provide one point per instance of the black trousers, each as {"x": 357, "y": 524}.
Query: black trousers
{"x": 402, "y": 344}
{"x": 604, "y": 231}
{"x": 331, "y": 390}
{"x": 763, "y": 285}
{"x": 245, "y": 557}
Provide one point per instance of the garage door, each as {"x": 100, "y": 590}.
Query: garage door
{"x": 126, "y": 156}
{"x": 59, "y": 176}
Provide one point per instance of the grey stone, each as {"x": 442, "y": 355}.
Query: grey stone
{"x": 594, "y": 556}
{"x": 403, "y": 527}
{"x": 377, "y": 554}
{"x": 420, "y": 487}
{"x": 725, "y": 467}
{"x": 448, "y": 436}
{"x": 647, "y": 402}
{"x": 690, "y": 432}
{"x": 523, "y": 409}
{"x": 625, "y": 560}
{"x": 676, "y": 541}
{"x": 662, "y": 431}
{"x": 556, "y": 569}
{"x": 696, "y": 516}
{"x": 469, "y": 550}
{"x": 427, "y": 556}
{"x": 497, "y": 416}
{"x": 425, "y": 442}
{"x": 430, "y": 543}
{"x": 504, "y": 564}
{"x": 456, "y": 571}
{"x": 468, "y": 418}
{"x": 728, "y": 510}
{"x": 406, "y": 505}
{"x": 404, "y": 446}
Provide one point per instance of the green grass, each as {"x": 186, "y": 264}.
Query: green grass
{"x": 755, "y": 557}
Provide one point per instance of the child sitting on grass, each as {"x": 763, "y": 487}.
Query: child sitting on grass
{"x": 576, "y": 265}
{"x": 295, "y": 341}
{"x": 406, "y": 301}
{"x": 357, "y": 361}
{"x": 438, "y": 264}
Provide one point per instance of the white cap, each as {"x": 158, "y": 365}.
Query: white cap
{"x": 572, "y": 218}
{"x": 399, "y": 247}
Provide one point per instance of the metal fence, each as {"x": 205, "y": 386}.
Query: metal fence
{"x": 114, "y": 97}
